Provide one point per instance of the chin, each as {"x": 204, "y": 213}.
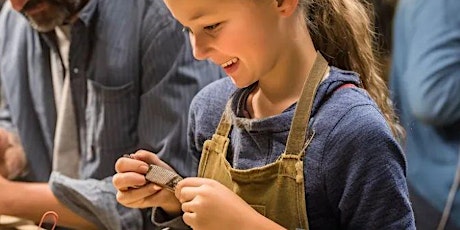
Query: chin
{"x": 240, "y": 84}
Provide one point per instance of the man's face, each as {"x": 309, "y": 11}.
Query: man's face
{"x": 45, "y": 15}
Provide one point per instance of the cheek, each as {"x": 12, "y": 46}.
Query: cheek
{"x": 18, "y": 4}
{"x": 257, "y": 43}
{"x": 238, "y": 41}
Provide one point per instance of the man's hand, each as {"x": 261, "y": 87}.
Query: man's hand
{"x": 12, "y": 156}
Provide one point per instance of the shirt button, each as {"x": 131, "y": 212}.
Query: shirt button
{"x": 76, "y": 70}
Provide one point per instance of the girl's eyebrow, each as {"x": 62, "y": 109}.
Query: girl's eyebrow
{"x": 199, "y": 13}
{"x": 196, "y": 16}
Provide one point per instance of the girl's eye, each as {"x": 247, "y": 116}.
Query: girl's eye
{"x": 211, "y": 27}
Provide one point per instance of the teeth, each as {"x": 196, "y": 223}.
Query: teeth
{"x": 231, "y": 62}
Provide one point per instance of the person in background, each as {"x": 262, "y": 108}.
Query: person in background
{"x": 86, "y": 81}
{"x": 425, "y": 86}
{"x": 290, "y": 62}
{"x": 384, "y": 13}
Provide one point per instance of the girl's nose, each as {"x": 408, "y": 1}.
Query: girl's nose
{"x": 200, "y": 47}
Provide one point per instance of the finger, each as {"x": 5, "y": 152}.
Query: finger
{"x": 151, "y": 158}
{"x": 125, "y": 164}
{"x": 146, "y": 156}
{"x": 187, "y": 194}
{"x": 194, "y": 182}
{"x": 140, "y": 198}
{"x": 137, "y": 196}
{"x": 122, "y": 181}
{"x": 190, "y": 219}
{"x": 187, "y": 207}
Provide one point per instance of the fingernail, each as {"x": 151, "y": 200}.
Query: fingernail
{"x": 157, "y": 187}
{"x": 144, "y": 168}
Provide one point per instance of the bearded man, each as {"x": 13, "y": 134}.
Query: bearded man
{"x": 84, "y": 82}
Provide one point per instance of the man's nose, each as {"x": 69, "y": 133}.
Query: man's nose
{"x": 18, "y": 4}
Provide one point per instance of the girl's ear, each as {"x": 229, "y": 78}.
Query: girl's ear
{"x": 287, "y": 7}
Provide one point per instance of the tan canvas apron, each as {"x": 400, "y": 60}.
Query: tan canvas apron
{"x": 275, "y": 190}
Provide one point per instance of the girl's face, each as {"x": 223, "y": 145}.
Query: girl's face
{"x": 242, "y": 36}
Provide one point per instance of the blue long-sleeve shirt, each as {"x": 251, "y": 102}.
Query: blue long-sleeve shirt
{"x": 354, "y": 170}
{"x": 425, "y": 84}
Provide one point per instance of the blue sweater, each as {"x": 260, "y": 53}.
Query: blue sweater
{"x": 354, "y": 169}
{"x": 425, "y": 83}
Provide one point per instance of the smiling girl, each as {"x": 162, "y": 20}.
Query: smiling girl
{"x": 301, "y": 141}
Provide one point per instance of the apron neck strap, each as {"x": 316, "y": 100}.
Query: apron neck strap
{"x": 225, "y": 123}
{"x": 299, "y": 126}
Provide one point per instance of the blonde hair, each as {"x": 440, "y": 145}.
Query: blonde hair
{"x": 342, "y": 30}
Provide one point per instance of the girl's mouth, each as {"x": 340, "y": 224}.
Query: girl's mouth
{"x": 230, "y": 66}
{"x": 230, "y": 62}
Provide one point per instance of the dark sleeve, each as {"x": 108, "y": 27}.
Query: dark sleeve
{"x": 433, "y": 66}
{"x": 95, "y": 200}
{"x": 364, "y": 172}
{"x": 161, "y": 219}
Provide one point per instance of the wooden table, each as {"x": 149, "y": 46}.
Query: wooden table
{"x": 15, "y": 223}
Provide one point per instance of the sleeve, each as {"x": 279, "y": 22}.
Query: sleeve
{"x": 6, "y": 123}
{"x": 433, "y": 67}
{"x": 95, "y": 201}
{"x": 15, "y": 96}
{"x": 194, "y": 146}
{"x": 364, "y": 172}
{"x": 171, "y": 77}
{"x": 162, "y": 220}
{"x": 5, "y": 114}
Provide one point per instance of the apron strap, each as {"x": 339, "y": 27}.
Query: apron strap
{"x": 299, "y": 126}
{"x": 225, "y": 123}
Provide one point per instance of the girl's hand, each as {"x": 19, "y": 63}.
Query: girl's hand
{"x": 207, "y": 204}
{"x": 133, "y": 189}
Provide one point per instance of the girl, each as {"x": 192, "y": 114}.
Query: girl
{"x": 296, "y": 144}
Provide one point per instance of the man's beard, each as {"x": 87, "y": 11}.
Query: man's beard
{"x": 56, "y": 14}
{"x": 48, "y": 24}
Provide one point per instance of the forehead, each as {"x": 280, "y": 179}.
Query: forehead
{"x": 192, "y": 10}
